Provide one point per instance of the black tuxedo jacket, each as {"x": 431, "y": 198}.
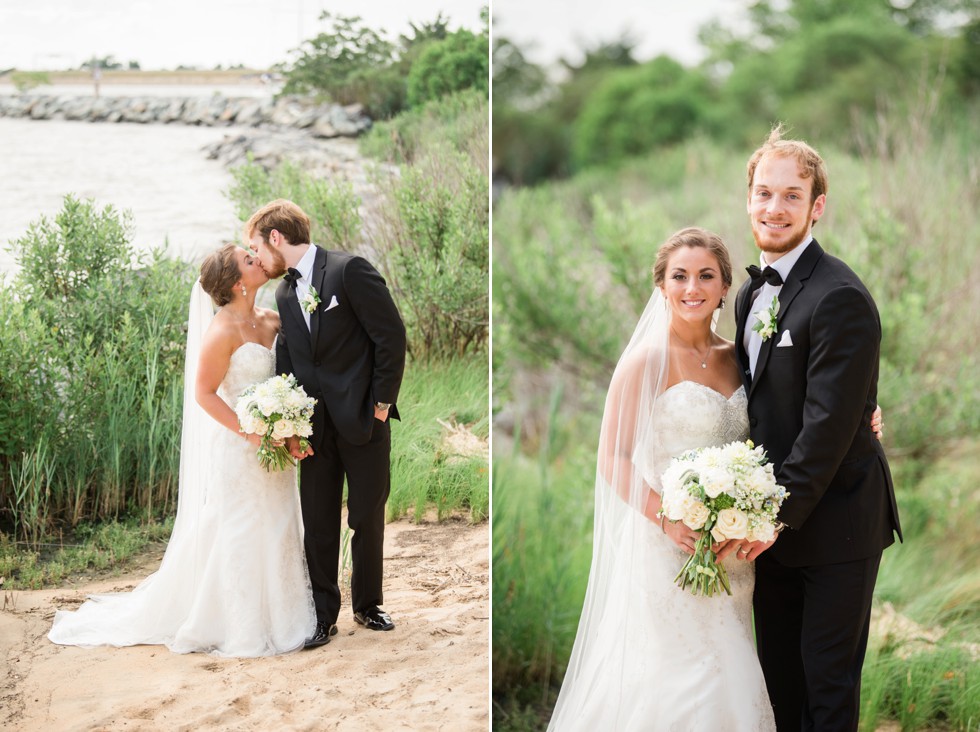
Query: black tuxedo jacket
{"x": 810, "y": 406}
{"x": 353, "y": 354}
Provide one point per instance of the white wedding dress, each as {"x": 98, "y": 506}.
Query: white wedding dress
{"x": 233, "y": 581}
{"x": 657, "y": 657}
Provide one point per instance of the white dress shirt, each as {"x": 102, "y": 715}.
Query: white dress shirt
{"x": 763, "y": 297}
{"x": 304, "y": 283}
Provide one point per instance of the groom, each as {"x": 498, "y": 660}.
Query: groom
{"x": 812, "y": 380}
{"x": 342, "y": 336}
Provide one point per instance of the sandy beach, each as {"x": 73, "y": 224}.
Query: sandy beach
{"x": 430, "y": 673}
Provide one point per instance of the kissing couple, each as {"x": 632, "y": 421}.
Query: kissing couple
{"x": 251, "y": 568}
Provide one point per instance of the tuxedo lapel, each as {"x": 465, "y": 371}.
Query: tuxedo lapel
{"x": 741, "y": 307}
{"x": 292, "y": 307}
{"x": 791, "y": 288}
{"x": 319, "y": 272}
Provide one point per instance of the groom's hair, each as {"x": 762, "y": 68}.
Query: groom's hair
{"x": 809, "y": 160}
{"x": 285, "y": 217}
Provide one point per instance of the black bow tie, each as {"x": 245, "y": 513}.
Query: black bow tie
{"x": 768, "y": 274}
{"x": 293, "y": 275}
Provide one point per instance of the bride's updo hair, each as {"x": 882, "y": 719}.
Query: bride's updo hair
{"x": 219, "y": 273}
{"x": 693, "y": 237}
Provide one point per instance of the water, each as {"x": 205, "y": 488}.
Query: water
{"x": 256, "y": 90}
{"x": 158, "y": 172}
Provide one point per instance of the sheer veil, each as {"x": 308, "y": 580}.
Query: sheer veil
{"x": 150, "y": 612}
{"x": 198, "y": 432}
{"x": 627, "y": 470}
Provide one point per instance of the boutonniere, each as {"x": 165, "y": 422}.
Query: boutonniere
{"x": 766, "y": 327}
{"x": 310, "y": 301}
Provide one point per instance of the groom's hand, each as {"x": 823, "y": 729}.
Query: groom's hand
{"x": 293, "y": 445}
{"x": 381, "y": 414}
{"x": 751, "y": 550}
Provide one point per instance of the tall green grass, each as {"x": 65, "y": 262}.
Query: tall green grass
{"x": 91, "y": 370}
{"x": 428, "y": 467}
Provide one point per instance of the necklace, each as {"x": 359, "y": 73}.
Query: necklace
{"x": 246, "y": 320}
{"x": 704, "y": 359}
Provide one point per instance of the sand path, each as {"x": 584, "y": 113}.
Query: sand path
{"x": 430, "y": 673}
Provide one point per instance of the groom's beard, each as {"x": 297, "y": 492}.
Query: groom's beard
{"x": 276, "y": 267}
{"x": 764, "y": 240}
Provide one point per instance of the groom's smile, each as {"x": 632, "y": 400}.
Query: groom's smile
{"x": 779, "y": 205}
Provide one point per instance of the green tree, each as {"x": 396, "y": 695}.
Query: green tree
{"x": 637, "y": 109}
{"x": 443, "y": 67}
{"x": 331, "y": 62}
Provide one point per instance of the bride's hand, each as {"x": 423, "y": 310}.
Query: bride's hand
{"x": 680, "y": 534}
{"x": 255, "y": 440}
{"x": 878, "y": 422}
{"x": 725, "y": 548}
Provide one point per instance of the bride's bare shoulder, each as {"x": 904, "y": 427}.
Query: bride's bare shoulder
{"x": 269, "y": 317}
{"x": 222, "y": 336}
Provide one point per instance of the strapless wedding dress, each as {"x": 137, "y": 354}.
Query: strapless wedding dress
{"x": 684, "y": 663}
{"x": 238, "y": 586}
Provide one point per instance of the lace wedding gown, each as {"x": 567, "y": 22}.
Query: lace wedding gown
{"x": 237, "y": 583}
{"x": 671, "y": 660}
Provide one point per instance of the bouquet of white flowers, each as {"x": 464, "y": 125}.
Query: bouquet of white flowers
{"x": 275, "y": 409}
{"x": 726, "y": 492}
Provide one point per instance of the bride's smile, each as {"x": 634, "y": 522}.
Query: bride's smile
{"x": 693, "y": 286}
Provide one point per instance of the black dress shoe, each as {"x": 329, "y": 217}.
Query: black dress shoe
{"x": 374, "y": 618}
{"x": 321, "y": 635}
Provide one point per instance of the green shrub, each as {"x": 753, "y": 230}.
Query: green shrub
{"x": 459, "y": 120}
{"x": 335, "y": 221}
{"x": 638, "y": 109}
{"x": 433, "y": 226}
{"x": 460, "y": 61}
{"x": 434, "y": 238}
{"x": 91, "y": 371}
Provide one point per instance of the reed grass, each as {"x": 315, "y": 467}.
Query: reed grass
{"x": 429, "y": 468}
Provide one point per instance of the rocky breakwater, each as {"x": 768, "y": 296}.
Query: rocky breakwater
{"x": 325, "y": 121}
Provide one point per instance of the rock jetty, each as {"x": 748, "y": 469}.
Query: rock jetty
{"x": 324, "y": 121}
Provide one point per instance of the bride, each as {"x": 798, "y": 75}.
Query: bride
{"x": 648, "y": 655}
{"x": 233, "y": 581}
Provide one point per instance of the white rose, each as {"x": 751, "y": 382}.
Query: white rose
{"x": 268, "y": 405}
{"x": 715, "y": 481}
{"x": 671, "y": 480}
{"x": 697, "y": 514}
{"x": 732, "y": 524}
{"x": 259, "y": 428}
{"x": 294, "y": 401}
{"x": 762, "y": 531}
{"x": 304, "y": 429}
{"x": 282, "y": 429}
{"x": 676, "y": 506}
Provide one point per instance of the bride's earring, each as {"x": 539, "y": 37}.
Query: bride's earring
{"x": 721, "y": 305}
{"x": 244, "y": 293}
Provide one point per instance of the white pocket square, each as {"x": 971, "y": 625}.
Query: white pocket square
{"x": 333, "y": 303}
{"x": 785, "y": 340}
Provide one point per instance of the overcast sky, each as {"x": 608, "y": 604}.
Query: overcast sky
{"x": 558, "y": 29}
{"x": 162, "y": 34}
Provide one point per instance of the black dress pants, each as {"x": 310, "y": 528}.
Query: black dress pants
{"x": 812, "y": 633}
{"x": 367, "y": 471}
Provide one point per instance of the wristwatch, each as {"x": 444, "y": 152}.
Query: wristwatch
{"x": 382, "y": 406}
{"x": 780, "y": 526}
